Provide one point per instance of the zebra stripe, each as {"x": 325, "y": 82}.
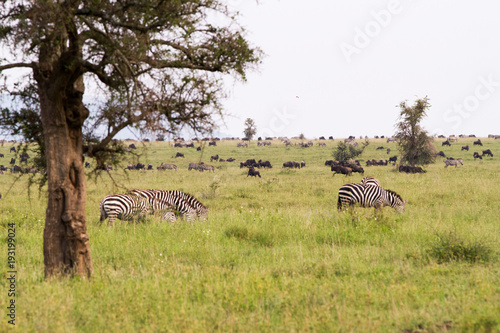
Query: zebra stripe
{"x": 181, "y": 202}
{"x": 370, "y": 181}
{"x": 368, "y": 196}
{"x": 453, "y": 162}
{"x": 122, "y": 206}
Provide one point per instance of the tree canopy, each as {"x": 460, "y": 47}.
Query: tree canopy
{"x": 415, "y": 145}
{"x": 154, "y": 65}
{"x": 250, "y": 128}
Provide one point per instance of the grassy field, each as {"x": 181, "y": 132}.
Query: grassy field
{"x": 274, "y": 254}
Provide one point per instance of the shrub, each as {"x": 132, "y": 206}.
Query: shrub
{"x": 450, "y": 247}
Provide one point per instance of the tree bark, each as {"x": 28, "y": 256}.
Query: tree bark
{"x": 66, "y": 247}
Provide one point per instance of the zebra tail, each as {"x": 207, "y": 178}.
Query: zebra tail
{"x": 339, "y": 204}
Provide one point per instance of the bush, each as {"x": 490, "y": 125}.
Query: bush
{"x": 450, "y": 247}
{"x": 346, "y": 151}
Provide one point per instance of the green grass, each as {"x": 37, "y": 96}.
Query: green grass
{"x": 274, "y": 254}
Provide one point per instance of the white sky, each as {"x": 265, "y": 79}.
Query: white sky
{"x": 341, "y": 68}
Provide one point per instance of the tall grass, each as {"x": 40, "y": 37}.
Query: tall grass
{"x": 274, "y": 254}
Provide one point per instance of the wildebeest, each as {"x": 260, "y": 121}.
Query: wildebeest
{"x": 87, "y": 164}
{"x": 214, "y": 158}
{"x": 265, "y": 164}
{"x": 321, "y": 144}
{"x": 393, "y": 159}
{"x": 321, "y": 138}
{"x": 465, "y": 148}
{"x": 291, "y": 164}
{"x": 375, "y": 162}
{"x": 252, "y": 172}
{"x": 446, "y": 143}
{"x": 1, "y": 155}
{"x": 212, "y": 143}
{"x": 411, "y": 169}
{"x": 249, "y": 163}
{"x": 487, "y": 152}
{"x": 198, "y": 149}
{"x": 179, "y": 154}
{"x": 302, "y": 164}
{"x": 12, "y": 161}
{"x": 150, "y": 166}
{"x": 231, "y": 159}
{"x": 140, "y": 166}
{"x": 329, "y": 162}
{"x": 132, "y": 146}
{"x": 341, "y": 169}
{"x": 379, "y": 148}
{"x": 441, "y": 153}
{"x": 478, "y": 142}
{"x": 476, "y": 155}
{"x": 13, "y": 149}
{"x": 388, "y": 151}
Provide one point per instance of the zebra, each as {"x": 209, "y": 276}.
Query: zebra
{"x": 123, "y": 207}
{"x": 369, "y": 196}
{"x": 184, "y": 203}
{"x": 370, "y": 181}
{"x": 453, "y": 162}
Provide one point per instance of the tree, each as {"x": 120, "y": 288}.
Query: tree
{"x": 157, "y": 65}
{"x": 250, "y": 129}
{"x": 415, "y": 145}
{"x": 348, "y": 151}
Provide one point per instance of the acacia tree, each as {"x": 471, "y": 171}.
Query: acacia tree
{"x": 158, "y": 64}
{"x": 415, "y": 145}
{"x": 250, "y": 128}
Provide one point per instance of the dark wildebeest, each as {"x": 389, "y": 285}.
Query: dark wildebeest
{"x": 441, "y": 153}
{"x": 140, "y": 166}
{"x": 388, "y": 151}
{"x": 249, "y": 163}
{"x": 212, "y": 143}
{"x": 252, "y": 172}
{"x": 1, "y": 155}
{"x": 329, "y": 162}
{"x": 231, "y": 159}
{"x": 132, "y": 146}
{"x": 446, "y": 143}
{"x": 265, "y": 164}
{"x": 393, "y": 159}
{"x": 302, "y": 164}
{"x": 411, "y": 169}
{"x": 190, "y": 145}
{"x": 87, "y": 164}
{"x": 150, "y": 166}
{"x": 12, "y": 161}
{"x": 13, "y": 149}
{"x": 465, "y": 148}
{"x": 179, "y": 154}
{"x": 214, "y": 158}
{"x": 198, "y": 149}
{"x": 478, "y": 142}
{"x": 342, "y": 170}
{"x": 487, "y": 152}
{"x": 379, "y": 148}
{"x": 476, "y": 155}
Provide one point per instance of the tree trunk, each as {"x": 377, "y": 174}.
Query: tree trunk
{"x": 65, "y": 240}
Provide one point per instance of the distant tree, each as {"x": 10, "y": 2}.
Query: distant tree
{"x": 346, "y": 151}
{"x": 302, "y": 136}
{"x": 156, "y": 65}
{"x": 250, "y": 128}
{"x": 415, "y": 145}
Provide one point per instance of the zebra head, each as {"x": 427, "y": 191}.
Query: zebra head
{"x": 396, "y": 201}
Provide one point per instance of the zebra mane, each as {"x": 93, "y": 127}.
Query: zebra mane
{"x": 394, "y": 194}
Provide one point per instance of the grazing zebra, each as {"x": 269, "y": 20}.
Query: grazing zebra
{"x": 370, "y": 181}
{"x": 369, "y": 196}
{"x": 123, "y": 207}
{"x": 453, "y": 162}
{"x": 181, "y": 202}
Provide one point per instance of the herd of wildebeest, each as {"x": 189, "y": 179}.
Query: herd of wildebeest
{"x": 346, "y": 167}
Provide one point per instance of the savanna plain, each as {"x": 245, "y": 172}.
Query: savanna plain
{"x": 274, "y": 253}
